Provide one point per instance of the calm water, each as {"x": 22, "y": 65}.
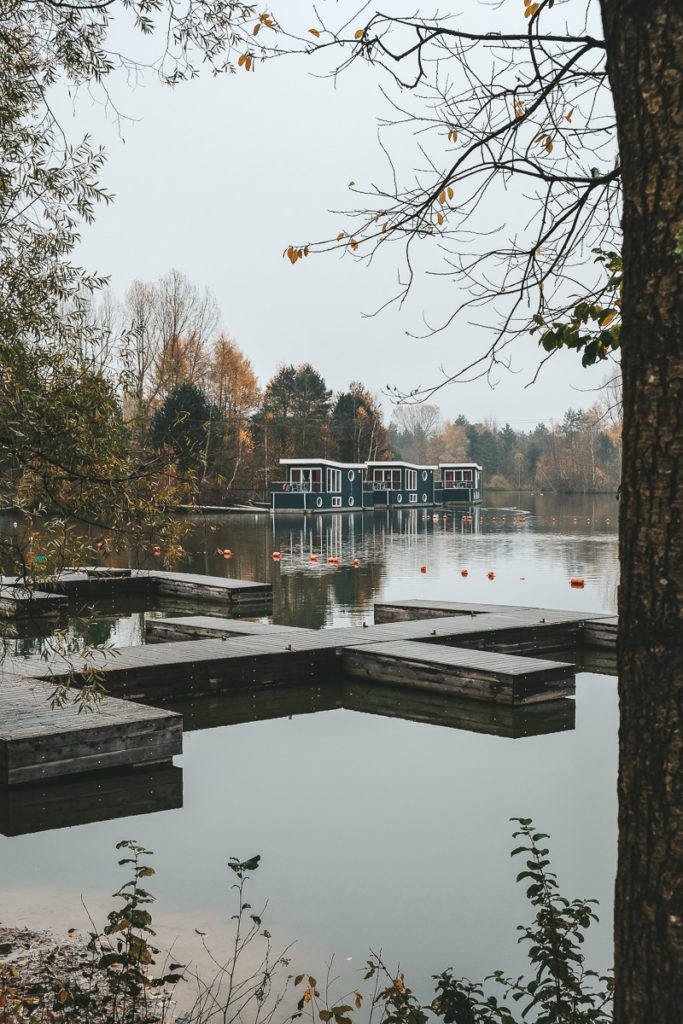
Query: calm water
{"x": 374, "y": 831}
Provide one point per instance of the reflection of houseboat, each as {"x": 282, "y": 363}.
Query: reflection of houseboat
{"x": 318, "y": 485}
{"x": 389, "y": 484}
{"x": 460, "y": 483}
{"x": 321, "y": 485}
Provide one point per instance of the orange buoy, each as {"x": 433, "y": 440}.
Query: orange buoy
{"x": 444, "y": 517}
{"x": 423, "y": 568}
{"x": 522, "y": 577}
{"x": 227, "y": 553}
{"x": 554, "y": 519}
{"x": 356, "y": 562}
{"x": 514, "y": 519}
{"x": 575, "y": 520}
{"x": 491, "y": 575}
{"x": 157, "y": 549}
{"x": 503, "y": 520}
{"x": 314, "y": 558}
{"x": 494, "y": 519}
{"x": 463, "y": 572}
{"x": 576, "y": 582}
{"x": 276, "y": 556}
{"x": 607, "y": 521}
{"x": 588, "y": 520}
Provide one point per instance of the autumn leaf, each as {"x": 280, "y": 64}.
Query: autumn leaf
{"x": 359, "y": 34}
{"x": 568, "y": 117}
{"x": 439, "y": 217}
{"x": 351, "y": 184}
{"x": 530, "y": 11}
{"x": 442, "y": 197}
{"x": 242, "y": 59}
{"x": 449, "y": 192}
{"x": 341, "y": 235}
{"x": 314, "y": 32}
{"x": 257, "y": 27}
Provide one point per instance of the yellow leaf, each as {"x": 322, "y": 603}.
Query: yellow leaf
{"x": 247, "y": 63}
{"x": 351, "y": 184}
{"x": 527, "y": 2}
{"x": 568, "y": 117}
{"x": 384, "y": 226}
{"x": 439, "y": 217}
{"x": 354, "y": 244}
{"x": 314, "y": 32}
{"x": 62, "y": 995}
{"x": 530, "y": 11}
{"x": 539, "y": 139}
{"x": 242, "y": 59}
{"x": 340, "y": 235}
{"x": 306, "y": 251}
{"x": 308, "y": 995}
{"x": 442, "y": 197}
{"x": 607, "y": 320}
{"x": 359, "y": 34}
{"x": 548, "y": 146}
{"x": 257, "y": 26}
{"x": 449, "y": 190}
{"x": 541, "y": 286}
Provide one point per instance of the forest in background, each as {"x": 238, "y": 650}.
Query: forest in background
{"x": 209, "y": 431}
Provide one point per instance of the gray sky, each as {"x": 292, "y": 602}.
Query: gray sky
{"x": 218, "y": 176}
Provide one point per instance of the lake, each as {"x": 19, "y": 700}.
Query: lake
{"x": 374, "y": 831}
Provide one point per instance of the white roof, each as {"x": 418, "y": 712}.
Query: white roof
{"x": 322, "y": 462}
{"x": 460, "y": 465}
{"x": 396, "y": 462}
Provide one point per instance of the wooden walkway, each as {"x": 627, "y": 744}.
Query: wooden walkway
{"x": 463, "y": 651}
{"x": 94, "y": 583}
{"x": 38, "y": 742}
{"x": 476, "y": 675}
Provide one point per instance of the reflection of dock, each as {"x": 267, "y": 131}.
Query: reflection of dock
{"x": 456, "y": 650}
{"x": 105, "y": 795}
{"x": 79, "y": 800}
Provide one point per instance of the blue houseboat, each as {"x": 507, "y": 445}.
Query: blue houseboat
{"x": 393, "y": 484}
{"x": 460, "y": 483}
{"x": 318, "y": 485}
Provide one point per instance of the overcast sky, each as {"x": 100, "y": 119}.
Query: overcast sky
{"x": 218, "y": 176}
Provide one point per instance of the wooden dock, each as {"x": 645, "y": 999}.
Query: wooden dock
{"x": 476, "y": 675}
{"x": 448, "y": 650}
{"x": 17, "y": 602}
{"x": 94, "y": 583}
{"x": 38, "y": 742}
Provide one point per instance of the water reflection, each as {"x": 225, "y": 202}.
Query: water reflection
{"x": 348, "y": 799}
{"x": 79, "y": 800}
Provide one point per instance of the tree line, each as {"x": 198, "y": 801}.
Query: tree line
{"x": 206, "y": 429}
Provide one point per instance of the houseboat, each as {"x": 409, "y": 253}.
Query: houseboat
{"x": 459, "y": 484}
{"x": 394, "y": 484}
{"x": 318, "y": 485}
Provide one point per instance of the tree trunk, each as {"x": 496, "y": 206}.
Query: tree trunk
{"x": 645, "y": 66}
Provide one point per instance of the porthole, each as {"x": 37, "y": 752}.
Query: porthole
{"x": 425, "y": 474}
{"x": 399, "y": 499}
{"x": 352, "y": 476}
{"x": 319, "y": 501}
{"x": 351, "y": 501}
{"x": 424, "y": 497}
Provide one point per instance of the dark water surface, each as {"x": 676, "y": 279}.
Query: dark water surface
{"x": 374, "y": 831}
